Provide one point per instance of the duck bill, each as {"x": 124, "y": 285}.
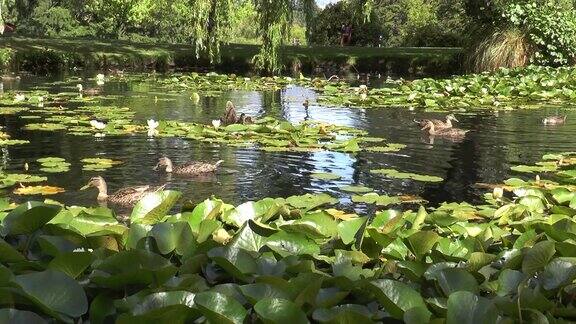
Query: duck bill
{"x": 85, "y": 187}
{"x": 156, "y": 167}
{"x": 456, "y": 120}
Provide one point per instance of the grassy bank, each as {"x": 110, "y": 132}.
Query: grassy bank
{"x": 44, "y": 55}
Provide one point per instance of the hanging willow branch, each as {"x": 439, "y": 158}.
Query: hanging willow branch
{"x": 275, "y": 18}
{"x": 210, "y": 20}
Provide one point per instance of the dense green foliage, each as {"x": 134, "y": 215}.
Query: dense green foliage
{"x": 551, "y": 27}
{"x": 298, "y": 260}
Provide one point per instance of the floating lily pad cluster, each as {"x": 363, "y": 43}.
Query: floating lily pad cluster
{"x": 98, "y": 164}
{"x": 504, "y": 89}
{"x": 392, "y": 173}
{"x": 10, "y": 179}
{"x": 53, "y": 165}
{"x": 296, "y": 259}
{"x": 38, "y": 190}
{"x": 215, "y": 83}
{"x": 562, "y": 164}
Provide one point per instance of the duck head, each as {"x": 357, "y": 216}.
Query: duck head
{"x": 451, "y": 117}
{"x": 98, "y": 183}
{"x": 164, "y": 163}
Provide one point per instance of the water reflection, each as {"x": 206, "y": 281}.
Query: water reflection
{"x": 496, "y": 142}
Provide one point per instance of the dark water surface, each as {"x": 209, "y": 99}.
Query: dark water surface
{"x": 496, "y": 142}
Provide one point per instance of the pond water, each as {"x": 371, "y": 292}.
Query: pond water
{"x": 496, "y": 142}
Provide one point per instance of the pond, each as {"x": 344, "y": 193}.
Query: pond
{"x": 497, "y": 141}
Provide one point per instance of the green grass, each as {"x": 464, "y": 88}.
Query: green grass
{"x": 129, "y": 54}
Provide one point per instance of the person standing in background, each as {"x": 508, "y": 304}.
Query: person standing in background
{"x": 346, "y": 35}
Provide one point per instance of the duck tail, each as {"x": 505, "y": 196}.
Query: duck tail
{"x": 218, "y": 163}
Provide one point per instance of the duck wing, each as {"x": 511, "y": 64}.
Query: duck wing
{"x": 135, "y": 190}
{"x": 196, "y": 167}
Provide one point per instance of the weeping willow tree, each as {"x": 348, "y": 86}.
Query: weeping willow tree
{"x": 209, "y": 22}
{"x": 1, "y": 18}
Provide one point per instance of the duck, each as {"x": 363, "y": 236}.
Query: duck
{"x": 554, "y": 120}
{"x": 125, "y": 197}
{"x": 189, "y": 168}
{"x": 88, "y": 91}
{"x": 230, "y": 117}
{"x": 438, "y": 124}
{"x": 445, "y": 132}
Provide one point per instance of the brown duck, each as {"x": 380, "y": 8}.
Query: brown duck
{"x": 125, "y": 197}
{"x": 554, "y": 120}
{"x": 445, "y": 132}
{"x": 438, "y": 124}
{"x": 88, "y": 91}
{"x": 190, "y": 168}
{"x": 230, "y": 116}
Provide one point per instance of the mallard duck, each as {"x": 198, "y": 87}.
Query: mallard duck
{"x": 125, "y": 196}
{"x": 88, "y": 91}
{"x": 230, "y": 116}
{"x": 190, "y": 168}
{"x": 445, "y": 132}
{"x": 554, "y": 120}
{"x": 438, "y": 124}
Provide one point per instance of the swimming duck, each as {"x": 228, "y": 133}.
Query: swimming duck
{"x": 554, "y": 120}
{"x": 230, "y": 116}
{"x": 245, "y": 119}
{"x": 438, "y": 124}
{"x": 88, "y": 91}
{"x": 125, "y": 196}
{"x": 445, "y": 132}
{"x": 190, "y": 168}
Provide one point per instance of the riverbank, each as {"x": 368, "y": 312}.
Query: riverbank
{"x": 52, "y": 55}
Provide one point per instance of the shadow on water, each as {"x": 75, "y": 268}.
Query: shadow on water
{"x": 496, "y": 142}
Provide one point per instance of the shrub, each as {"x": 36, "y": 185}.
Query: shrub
{"x": 552, "y": 30}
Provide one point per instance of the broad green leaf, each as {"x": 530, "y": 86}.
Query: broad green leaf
{"x": 154, "y": 206}
{"x": 286, "y": 244}
{"x": 344, "y": 314}
{"x": 8, "y": 254}
{"x": 29, "y": 217}
{"x": 465, "y": 307}
{"x": 173, "y": 237}
{"x": 54, "y": 291}
{"x": 396, "y": 297}
{"x": 537, "y": 257}
{"x": 219, "y": 308}
{"x": 558, "y": 273}
{"x": 16, "y": 316}
{"x": 454, "y": 279}
{"x": 276, "y": 310}
{"x": 72, "y": 263}
{"x": 422, "y": 242}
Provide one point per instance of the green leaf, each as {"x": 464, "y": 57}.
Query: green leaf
{"x": 54, "y": 291}
{"x": 29, "y": 217}
{"x": 238, "y": 263}
{"x": 344, "y": 314}
{"x": 258, "y": 291}
{"x": 219, "y": 308}
{"x": 15, "y": 316}
{"x": 310, "y": 201}
{"x": 508, "y": 282}
{"x": 465, "y": 307}
{"x": 72, "y": 263}
{"x": 133, "y": 267}
{"x": 454, "y": 279}
{"x": 558, "y": 273}
{"x": 537, "y": 257}
{"x": 8, "y": 254}
{"x": 154, "y": 206}
{"x": 347, "y": 230}
{"x": 396, "y": 297}
{"x": 422, "y": 242}
{"x": 287, "y": 244}
{"x": 164, "y": 299}
{"x": 325, "y": 176}
{"x": 173, "y": 237}
{"x": 281, "y": 311}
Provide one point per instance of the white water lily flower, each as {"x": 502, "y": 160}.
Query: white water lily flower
{"x": 97, "y": 124}
{"x": 152, "y": 132}
{"x": 152, "y": 124}
{"x": 19, "y": 97}
{"x": 100, "y": 76}
{"x": 100, "y": 82}
{"x": 98, "y": 135}
{"x": 216, "y": 123}
{"x": 80, "y": 87}
{"x": 363, "y": 96}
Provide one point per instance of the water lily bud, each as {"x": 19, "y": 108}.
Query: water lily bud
{"x": 498, "y": 192}
{"x": 216, "y": 123}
